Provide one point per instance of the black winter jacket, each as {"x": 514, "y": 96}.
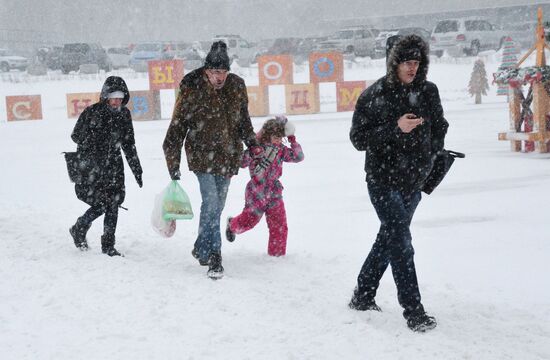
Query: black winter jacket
{"x": 393, "y": 159}
{"x": 100, "y": 133}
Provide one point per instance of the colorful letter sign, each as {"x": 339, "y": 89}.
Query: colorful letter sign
{"x": 27, "y": 107}
{"x": 302, "y": 99}
{"x": 144, "y": 105}
{"x": 77, "y": 102}
{"x": 165, "y": 74}
{"x": 326, "y": 67}
{"x": 275, "y": 70}
{"x": 347, "y": 93}
{"x": 258, "y": 100}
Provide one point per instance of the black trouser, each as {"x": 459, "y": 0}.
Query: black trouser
{"x": 110, "y": 221}
{"x": 392, "y": 246}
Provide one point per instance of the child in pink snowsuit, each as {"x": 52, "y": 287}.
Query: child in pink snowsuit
{"x": 264, "y": 191}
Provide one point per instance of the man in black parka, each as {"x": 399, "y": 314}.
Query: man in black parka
{"x": 100, "y": 132}
{"x": 398, "y": 122}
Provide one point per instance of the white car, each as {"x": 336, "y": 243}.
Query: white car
{"x": 192, "y": 54}
{"x": 238, "y": 49}
{"x": 120, "y": 57}
{"x": 10, "y": 61}
{"x": 357, "y": 40}
{"x": 465, "y": 36}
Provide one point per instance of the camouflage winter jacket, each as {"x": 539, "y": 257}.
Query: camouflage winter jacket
{"x": 213, "y": 124}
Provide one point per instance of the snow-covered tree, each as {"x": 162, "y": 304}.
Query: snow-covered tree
{"x": 478, "y": 82}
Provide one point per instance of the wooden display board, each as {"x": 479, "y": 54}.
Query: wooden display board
{"x": 25, "y": 107}
{"x": 326, "y": 67}
{"x": 275, "y": 70}
{"x": 258, "y": 100}
{"x": 144, "y": 105}
{"x": 302, "y": 99}
{"x": 165, "y": 74}
{"x": 77, "y": 102}
{"x": 347, "y": 93}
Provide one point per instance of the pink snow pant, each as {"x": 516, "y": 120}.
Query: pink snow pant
{"x": 275, "y": 216}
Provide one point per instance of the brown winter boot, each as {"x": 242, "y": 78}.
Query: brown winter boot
{"x": 108, "y": 245}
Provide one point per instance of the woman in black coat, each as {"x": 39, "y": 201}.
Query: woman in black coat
{"x": 100, "y": 132}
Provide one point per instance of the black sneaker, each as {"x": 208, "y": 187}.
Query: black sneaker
{"x": 111, "y": 251}
{"x": 215, "y": 268}
{"x": 196, "y": 256}
{"x": 229, "y": 235}
{"x": 421, "y": 322}
{"x": 79, "y": 238}
{"x": 356, "y": 304}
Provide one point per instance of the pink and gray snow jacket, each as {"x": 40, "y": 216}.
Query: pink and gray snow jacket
{"x": 264, "y": 185}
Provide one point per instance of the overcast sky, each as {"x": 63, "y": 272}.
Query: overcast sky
{"x": 119, "y": 21}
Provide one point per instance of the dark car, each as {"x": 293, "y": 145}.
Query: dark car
{"x": 284, "y": 46}
{"x": 50, "y": 56}
{"x": 76, "y": 54}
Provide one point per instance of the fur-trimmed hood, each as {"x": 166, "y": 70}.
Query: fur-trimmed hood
{"x": 112, "y": 84}
{"x": 399, "y": 45}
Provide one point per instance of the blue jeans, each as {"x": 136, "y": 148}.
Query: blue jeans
{"x": 393, "y": 246}
{"x": 213, "y": 192}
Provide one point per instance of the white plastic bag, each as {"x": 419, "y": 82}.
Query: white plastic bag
{"x": 161, "y": 226}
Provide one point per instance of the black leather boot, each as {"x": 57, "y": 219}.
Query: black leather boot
{"x": 215, "y": 268}
{"x": 78, "y": 233}
{"x": 108, "y": 245}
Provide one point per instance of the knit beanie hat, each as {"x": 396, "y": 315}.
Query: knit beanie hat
{"x": 116, "y": 95}
{"x": 217, "y": 58}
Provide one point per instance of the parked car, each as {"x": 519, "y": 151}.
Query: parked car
{"x": 192, "y": 54}
{"x": 76, "y": 54}
{"x": 465, "y": 36}
{"x": 423, "y": 33}
{"x": 119, "y": 56}
{"x": 284, "y": 46}
{"x": 261, "y": 48}
{"x": 358, "y": 40}
{"x": 9, "y": 61}
{"x": 384, "y": 35}
{"x": 238, "y": 49}
{"x": 306, "y": 46}
{"x": 144, "y": 52}
{"x": 522, "y": 33}
{"x": 50, "y": 56}
{"x": 380, "y": 42}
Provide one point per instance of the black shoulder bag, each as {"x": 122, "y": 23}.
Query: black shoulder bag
{"x": 76, "y": 166}
{"x": 442, "y": 164}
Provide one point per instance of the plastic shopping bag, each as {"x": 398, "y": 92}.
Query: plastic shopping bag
{"x": 161, "y": 226}
{"x": 176, "y": 204}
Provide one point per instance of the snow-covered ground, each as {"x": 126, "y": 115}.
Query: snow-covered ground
{"x": 482, "y": 245}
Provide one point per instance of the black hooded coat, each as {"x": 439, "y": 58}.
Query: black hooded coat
{"x": 100, "y": 133}
{"x": 393, "y": 159}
